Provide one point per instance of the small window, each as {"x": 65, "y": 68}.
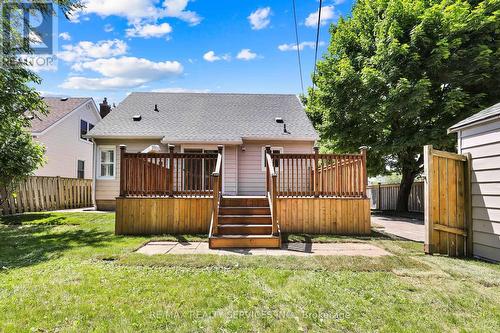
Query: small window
{"x": 274, "y": 150}
{"x": 83, "y": 129}
{"x": 107, "y": 162}
{"x": 80, "y": 172}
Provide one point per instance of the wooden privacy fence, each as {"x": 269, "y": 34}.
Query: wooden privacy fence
{"x": 166, "y": 174}
{"x": 447, "y": 203}
{"x": 326, "y": 175}
{"x": 39, "y": 193}
{"x": 385, "y": 197}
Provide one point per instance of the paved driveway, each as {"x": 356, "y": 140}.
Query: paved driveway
{"x": 412, "y": 229}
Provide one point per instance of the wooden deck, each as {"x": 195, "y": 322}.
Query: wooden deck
{"x": 306, "y": 193}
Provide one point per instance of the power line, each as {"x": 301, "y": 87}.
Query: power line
{"x": 317, "y": 42}
{"x": 298, "y": 46}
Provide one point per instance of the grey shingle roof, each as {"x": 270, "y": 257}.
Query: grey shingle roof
{"x": 206, "y": 117}
{"x": 491, "y": 112}
{"x": 58, "y": 108}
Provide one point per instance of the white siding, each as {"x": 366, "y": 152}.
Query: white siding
{"x": 483, "y": 143}
{"x": 251, "y": 177}
{"x": 64, "y": 147}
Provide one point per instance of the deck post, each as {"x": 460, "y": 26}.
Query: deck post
{"x": 123, "y": 149}
{"x": 171, "y": 170}
{"x": 379, "y": 196}
{"x": 315, "y": 173}
{"x": 268, "y": 151}
{"x": 219, "y": 150}
{"x": 364, "y": 176}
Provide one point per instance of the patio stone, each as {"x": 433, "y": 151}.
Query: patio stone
{"x": 287, "y": 249}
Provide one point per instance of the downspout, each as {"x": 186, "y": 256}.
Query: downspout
{"x": 94, "y": 159}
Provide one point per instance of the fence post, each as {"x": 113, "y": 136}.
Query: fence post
{"x": 171, "y": 170}
{"x": 364, "y": 176}
{"x": 221, "y": 179}
{"x": 379, "y": 196}
{"x": 123, "y": 149}
{"x": 315, "y": 174}
{"x": 59, "y": 195}
{"x": 428, "y": 165}
{"x": 268, "y": 151}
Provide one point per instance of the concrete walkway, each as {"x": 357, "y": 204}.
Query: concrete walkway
{"x": 412, "y": 229}
{"x": 290, "y": 249}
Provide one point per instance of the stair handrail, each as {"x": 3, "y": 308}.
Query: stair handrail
{"x": 217, "y": 192}
{"x": 271, "y": 190}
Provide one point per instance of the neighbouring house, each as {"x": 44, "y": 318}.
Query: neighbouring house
{"x": 479, "y": 135}
{"x": 62, "y": 131}
{"x": 240, "y": 167}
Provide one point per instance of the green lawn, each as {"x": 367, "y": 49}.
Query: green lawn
{"x": 69, "y": 273}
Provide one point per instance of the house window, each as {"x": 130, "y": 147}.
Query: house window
{"x": 274, "y": 150}
{"x": 107, "y": 162}
{"x": 85, "y": 127}
{"x": 80, "y": 172}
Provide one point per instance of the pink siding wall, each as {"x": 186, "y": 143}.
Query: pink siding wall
{"x": 251, "y": 177}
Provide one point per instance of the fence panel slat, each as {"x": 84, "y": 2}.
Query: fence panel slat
{"x": 39, "y": 193}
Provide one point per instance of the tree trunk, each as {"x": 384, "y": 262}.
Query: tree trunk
{"x": 407, "y": 179}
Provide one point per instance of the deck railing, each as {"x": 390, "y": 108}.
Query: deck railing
{"x": 271, "y": 189}
{"x": 166, "y": 174}
{"x": 328, "y": 175}
{"x": 216, "y": 192}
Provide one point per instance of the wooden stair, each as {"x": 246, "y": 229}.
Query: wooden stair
{"x": 244, "y": 222}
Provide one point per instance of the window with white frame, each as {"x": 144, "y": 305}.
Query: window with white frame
{"x": 274, "y": 150}
{"x": 107, "y": 162}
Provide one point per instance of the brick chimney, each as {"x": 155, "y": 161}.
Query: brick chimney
{"x": 104, "y": 108}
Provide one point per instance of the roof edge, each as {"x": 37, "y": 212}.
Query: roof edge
{"x": 455, "y": 128}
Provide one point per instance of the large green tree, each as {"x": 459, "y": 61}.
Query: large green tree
{"x": 20, "y": 155}
{"x": 398, "y": 73}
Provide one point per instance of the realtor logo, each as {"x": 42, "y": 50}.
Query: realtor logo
{"x": 30, "y": 31}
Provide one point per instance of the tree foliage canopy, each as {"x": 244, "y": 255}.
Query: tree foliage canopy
{"x": 20, "y": 155}
{"x": 398, "y": 73}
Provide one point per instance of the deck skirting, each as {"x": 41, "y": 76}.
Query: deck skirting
{"x": 143, "y": 216}
{"x": 155, "y": 216}
{"x": 342, "y": 216}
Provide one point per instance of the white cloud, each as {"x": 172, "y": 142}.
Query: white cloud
{"x": 132, "y": 67}
{"x": 85, "y": 50}
{"x": 293, "y": 47}
{"x": 260, "y": 18}
{"x": 327, "y": 14}
{"x": 181, "y": 90}
{"x": 108, "y": 28}
{"x": 149, "y": 30}
{"x": 139, "y": 10}
{"x": 246, "y": 54}
{"x": 65, "y": 36}
{"x": 177, "y": 8}
{"x": 124, "y": 72}
{"x": 210, "y": 56}
{"x": 79, "y": 82}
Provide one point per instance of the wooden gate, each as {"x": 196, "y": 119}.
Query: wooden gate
{"x": 447, "y": 203}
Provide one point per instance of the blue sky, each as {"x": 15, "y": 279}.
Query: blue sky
{"x": 115, "y": 47}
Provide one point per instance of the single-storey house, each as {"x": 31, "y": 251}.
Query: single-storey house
{"x": 198, "y": 122}
{"x": 62, "y": 131}
{"x": 240, "y": 167}
{"x": 479, "y": 135}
